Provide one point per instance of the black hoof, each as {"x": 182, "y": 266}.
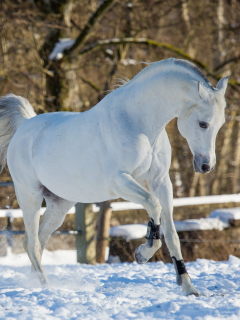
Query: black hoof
{"x": 194, "y": 294}
{"x": 139, "y": 258}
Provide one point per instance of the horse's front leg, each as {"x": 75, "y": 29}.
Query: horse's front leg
{"x": 165, "y": 195}
{"x": 129, "y": 189}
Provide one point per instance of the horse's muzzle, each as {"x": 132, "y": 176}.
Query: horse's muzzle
{"x": 201, "y": 165}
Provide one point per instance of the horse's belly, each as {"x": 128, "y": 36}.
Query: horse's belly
{"x": 85, "y": 183}
{"x": 81, "y": 192}
{"x": 82, "y": 186}
{"x": 77, "y": 177}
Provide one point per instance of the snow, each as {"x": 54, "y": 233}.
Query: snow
{"x": 66, "y": 43}
{"x": 60, "y": 46}
{"x": 17, "y": 213}
{"x": 129, "y": 231}
{"x": 193, "y": 201}
{"x": 119, "y": 291}
{"x": 226, "y": 214}
{"x": 57, "y": 257}
{"x": 109, "y": 51}
{"x": 138, "y": 231}
{"x": 201, "y": 224}
{"x": 129, "y": 61}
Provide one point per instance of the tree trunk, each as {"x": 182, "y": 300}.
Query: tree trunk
{"x": 193, "y": 188}
{"x": 70, "y": 95}
{"x": 235, "y": 188}
{"x": 202, "y": 190}
{"x": 103, "y": 226}
{"x": 186, "y": 18}
{"x": 223, "y": 162}
{"x": 221, "y": 21}
{"x": 219, "y": 35}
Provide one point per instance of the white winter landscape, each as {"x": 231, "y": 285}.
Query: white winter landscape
{"x": 117, "y": 291}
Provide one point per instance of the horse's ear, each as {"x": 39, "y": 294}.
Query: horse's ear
{"x": 222, "y": 85}
{"x": 203, "y": 92}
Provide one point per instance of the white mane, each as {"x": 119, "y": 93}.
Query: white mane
{"x": 122, "y": 80}
{"x": 165, "y": 65}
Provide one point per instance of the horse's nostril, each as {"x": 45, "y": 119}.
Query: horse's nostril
{"x": 205, "y": 167}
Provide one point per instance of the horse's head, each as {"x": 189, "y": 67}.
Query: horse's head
{"x": 200, "y": 121}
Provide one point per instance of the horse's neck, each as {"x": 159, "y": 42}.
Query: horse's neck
{"x": 153, "y": 106}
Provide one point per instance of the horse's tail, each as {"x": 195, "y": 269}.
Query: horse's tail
{"x": 14, "y": 110}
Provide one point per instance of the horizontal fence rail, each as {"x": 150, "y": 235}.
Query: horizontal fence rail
{"x": 58, "y": 232}
{"x": 121, "y": 206}
{"x": 86, "y": 210}
{"x": 6, "y": 184}
{"x": 177, "y": 202}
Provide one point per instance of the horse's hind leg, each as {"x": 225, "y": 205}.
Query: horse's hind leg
{"x": 30, "y": 200}
{"x": 53, "y": 216}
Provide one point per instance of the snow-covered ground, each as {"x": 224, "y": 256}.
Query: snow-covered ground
{"x": 117, "y": 291}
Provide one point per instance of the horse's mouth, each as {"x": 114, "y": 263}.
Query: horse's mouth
{"x": 195, "y": 166}
{"x": 201, "y": 168}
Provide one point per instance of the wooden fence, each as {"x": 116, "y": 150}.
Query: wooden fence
{"x": 85, "y": 228}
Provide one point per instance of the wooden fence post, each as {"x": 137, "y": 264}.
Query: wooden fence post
{"x": 103, "y": 226}
{"x": 86, "y": 241}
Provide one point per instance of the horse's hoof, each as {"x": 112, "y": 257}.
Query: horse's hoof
{"x": 196, "y": 294}
{"x": 139, "y": 257}
{"x": 45, "y": 284}
{"x": 193, "y": 292}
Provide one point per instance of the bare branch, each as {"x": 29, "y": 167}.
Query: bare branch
{"x": 116, "y": 41}
{"x": 145, "y": 41}
{"x": 227, "y": 62}
{"x": 75, "y": 25}
{"x": 106, "y": 5}
{"x": 91, "y": 84}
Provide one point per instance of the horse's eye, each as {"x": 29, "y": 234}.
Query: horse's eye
{"x": 203, "y": 124}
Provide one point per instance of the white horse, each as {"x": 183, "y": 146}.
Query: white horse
{"x": 119, "y": 148}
